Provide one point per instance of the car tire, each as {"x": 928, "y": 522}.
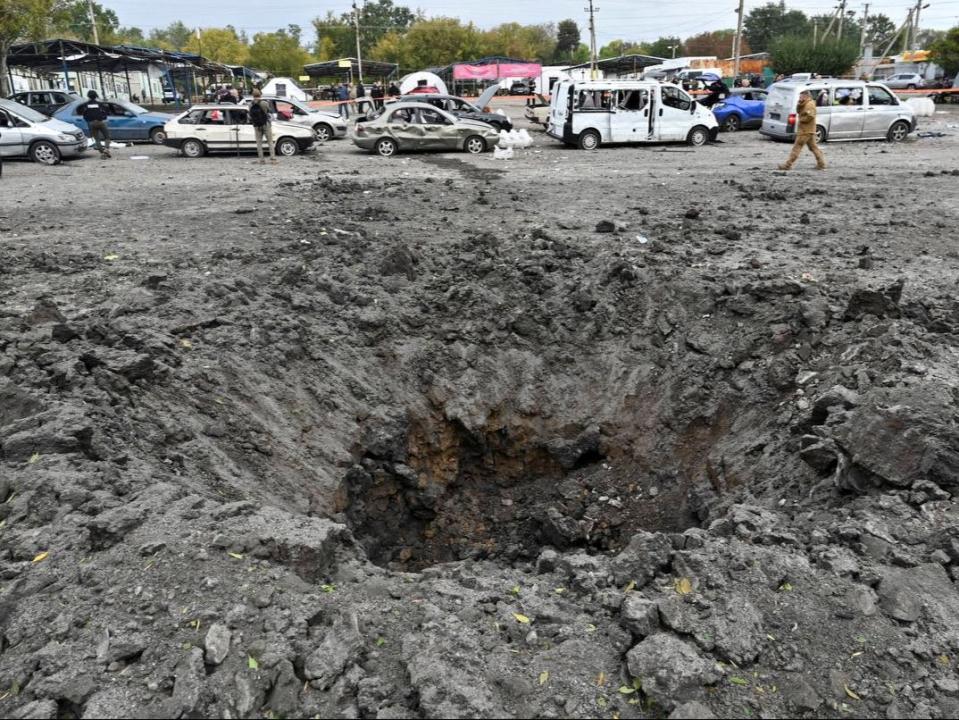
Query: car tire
{"x": 589, "y": 140}
{"x": 323, "y": 132}
{"x": 898, "y": 132}
{"x": 193, "y": 148}
{"x": 820, "y": 134}
{"x": 733, "y": 123}
{"x": 386, "y": 147}
{"x": 475, "y": 145}
{"x": 911, "y": 86}
{"x": 45, "y": 153}
{"x": 157, "y": 136}
{"x": 287, "y": 147}
{"x": 698, "y": 136}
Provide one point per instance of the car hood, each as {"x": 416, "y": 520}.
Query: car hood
{"x": 478, "y": 124}
{"x": 483, "y": 100}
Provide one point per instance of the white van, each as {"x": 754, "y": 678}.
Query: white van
{"x": 845, "y": 110}
{"x": 590, "y": 114}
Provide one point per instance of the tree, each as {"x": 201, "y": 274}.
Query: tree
{"x": 379, "y": 17}
{"x": 718, "y": 43}
{"x": 335, "y": 37}
{"x": 221, "y": 45}
{"x": 665, "y": 47}
{"x": 174, "y": 36}
{"x": 945, "y": 51}
{"x": 430, "y": 43}
{"x": 22, "y": 20}
{"x": 762, "y": 25}
{"x": 129, "y": 36}
{"x": 831, "y": 57}
{"x": 567, "y": 40}
{"x": 73, "y": 20}
{"x": 615, "y": 48}
{"x": 279, "y": 52}
{"x": 527, "y": 42}
{"x": 879, "y": 31}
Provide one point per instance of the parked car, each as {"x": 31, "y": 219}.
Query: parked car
{"x": 589, "y": 114}
{"x": 742, "y": 110}
{"x": 521, "y": 87}
{"x": 327, "y": 125}
{"x": 226, "y": 128}
{"x": 419, "y": 126}
{"x": 846, "y": 110}
{"x": 27, "y": 133}
{"x": 904, "y": 81}
{"x": 464, "y": 109}
{"x": 538, "y": 111}
{"x": 45, "y": 102}
{"x": 126, "y": 120}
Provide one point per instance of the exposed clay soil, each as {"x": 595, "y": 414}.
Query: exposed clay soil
{"x": 639, "y": 432}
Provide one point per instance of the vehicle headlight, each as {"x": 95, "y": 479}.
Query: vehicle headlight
{"x": 65, "y": 138}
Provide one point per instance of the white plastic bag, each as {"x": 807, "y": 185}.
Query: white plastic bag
{"x": 500, "y": 153}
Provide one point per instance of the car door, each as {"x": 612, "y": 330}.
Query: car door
{"x": 673, "y": 116}
{"x": 11, "y": 136}
{"x": 881, "y": 110}
{"x": 438, "y": 133}
{"x": 847, "y": 114}
{"x": 242, "y": 133}
{"x": 213, "y": 129}
{"x": 120, "y": 125}
{"x": 404, "y": 126}
{"x": 754, "y": 105}
{"x": 629, "y": 121}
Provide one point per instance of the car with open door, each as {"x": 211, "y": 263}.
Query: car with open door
{"x": 407, "y": 126}
{"x": 227, "y": 128}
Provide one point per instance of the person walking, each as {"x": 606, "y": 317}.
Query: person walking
{"x": 806, "y": 133}
{"x": 95, "y": 113}
{"x": 262, "y": 125}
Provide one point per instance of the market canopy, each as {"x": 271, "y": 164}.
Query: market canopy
{"x": 350, "y": 67}
{"x": 53, "y": 55}
{"x": 623, "y": 64}
{"x": 495, "y": 68}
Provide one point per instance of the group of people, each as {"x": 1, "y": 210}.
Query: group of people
{"x": 345, "y": 92}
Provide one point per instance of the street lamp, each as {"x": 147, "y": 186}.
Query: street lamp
{"x": 673, "y": 48}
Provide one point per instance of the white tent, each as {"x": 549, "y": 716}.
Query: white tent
{"x": 285, "y": 87}
{"x": 411, "y": 81}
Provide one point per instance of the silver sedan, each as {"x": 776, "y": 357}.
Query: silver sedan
{"x": 418, "y": 126}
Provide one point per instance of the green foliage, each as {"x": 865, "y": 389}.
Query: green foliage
{"x": 945, "y": 51}
{"x": 23, "y": 20}
{"x": 879, "y": 31}
{"x": 567, "y": 41}
{"x": 219, "y": 44}
{"x": 792, "y": 54}
{"x": 73, "y": 21}
{"x": 279, "y": 52}
{"x": 615, "y": 48}
{"x": 174, "y": 36}
{"x": 762, "y": 25}
{"x": 336, "y": 34}
{"x": 526, "y": 42}
{"x": 429, "y": 43}
{"x": 661, "y": 48}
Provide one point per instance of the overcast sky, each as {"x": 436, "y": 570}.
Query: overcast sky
{"x": 626, "y": 19}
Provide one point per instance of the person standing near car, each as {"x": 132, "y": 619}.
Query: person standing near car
{"x": 262, "y": 126}
{"x": 95, "y": 113}
{"x": 805, "y": 133}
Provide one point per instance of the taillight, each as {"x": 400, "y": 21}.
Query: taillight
{"x": 360, "y": 130}
{"x": 791, "y": 121}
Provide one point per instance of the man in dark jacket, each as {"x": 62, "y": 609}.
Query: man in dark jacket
{"x": 377, "y": 94}
{"x": 95, "y": 113}
{"x": 394, "y": 91}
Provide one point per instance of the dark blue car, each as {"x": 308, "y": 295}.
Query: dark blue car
{"x": 127, "y": 122}
{"x": 742, "y": 110}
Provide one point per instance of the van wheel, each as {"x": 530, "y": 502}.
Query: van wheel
{"x": 589, "y": 140}
{"x": 898, "y": 131}
{"x": 287, "y": 147}
{"x": 820, "y": 134}
{"x": 45, "y": 153}
{"x": 698, "y": 136}
{"x": 474, "y": 145}
{"x": 732, "y": 123}
{"x": 193, "y": 148}
{"x": 323, "y": 132}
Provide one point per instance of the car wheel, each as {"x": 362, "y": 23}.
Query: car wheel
{"x": 474, "y": 145}
{"x": 898, "y": 132}
{"x": 820, "y": 134}
{"x": 589, "y": 140}
{"x": 698, "y": 136}
{"x": 157, "y": 136}
{"x": 386, "y": 147}
{"x": 287, "y": 147}
{"x": 323, "y": 132}
{"x": 732, "y": 124}
{"x": 193, "y": 148}
{"x": 45, "y": 153}
{"x": 911, "y": 86}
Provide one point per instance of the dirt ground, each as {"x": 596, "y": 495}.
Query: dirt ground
{"x": 642, "y": 432}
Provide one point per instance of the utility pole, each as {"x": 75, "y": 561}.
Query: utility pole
{"x": 738, "y": 42}
{"x": 592, "y": 39}
{"x": 842, "y": 16}
{"x": 915, "y": 24}
{"x": 815, "y": 33}
{"x": 908, "y": 30}
{"x": 93, "y": 23}
{"x": 359, "y": 59}
{"x": 862, "y": 37}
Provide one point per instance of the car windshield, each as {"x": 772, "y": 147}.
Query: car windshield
{"x": 23, "y": 111}
{"x": 135, "y": 109}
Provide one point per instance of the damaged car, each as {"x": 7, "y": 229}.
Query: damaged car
{"x": 418, "y": 126}
{"x": 462, "y": 108}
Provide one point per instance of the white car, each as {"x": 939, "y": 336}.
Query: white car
{"x": 226, "y": 128}
{"x": 904, "y": 81}
{"x": 327, "y": 125}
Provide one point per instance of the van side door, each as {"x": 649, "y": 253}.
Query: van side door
{"x": 882, "y": 110}
{"x": 847, "y": 113}
{"x": 629, "y": 121}
{"x": 673, "y": 119}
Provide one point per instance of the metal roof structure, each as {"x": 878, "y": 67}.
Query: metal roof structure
{"x": 58, "y": 54}
{"x": 332, "y": 68}
{"x": 622, "y": 63}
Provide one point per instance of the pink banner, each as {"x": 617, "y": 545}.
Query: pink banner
{"x": 496, "y": 71}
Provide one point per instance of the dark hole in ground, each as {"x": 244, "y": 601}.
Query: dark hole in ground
{"x": 434, "y": 491}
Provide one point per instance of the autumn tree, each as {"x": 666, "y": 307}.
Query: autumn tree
{"x": 221, "y": 45}
{"x": 174, "y": 36}
{"x": 279, "y": 52}
{"x": 22, "y": 20}
{"x": 719, "y": 43}
{"x": 429, "y": 43}
{"x": 527, "y": 42}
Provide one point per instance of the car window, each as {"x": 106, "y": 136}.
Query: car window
{"x": 59, "y": 98}
{"x": 844, "y": 96}
{"x": 41, "y": 98}
{"x": 115, "y": 110}
{"x": 881, "y": 96}
{"x": 239, "y": 116}
{"x": 460, "y": 106}
{"x": 403, "y": 115}
{"x": 289, "y": 108}
{"x": 676, "y": 98}
{"x": 632, "y": 99}
{"x": 431, "y": 117}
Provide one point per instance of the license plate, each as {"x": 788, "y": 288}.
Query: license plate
{"x": 774, "y": 116}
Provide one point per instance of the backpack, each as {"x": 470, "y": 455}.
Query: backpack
{"x": 258, "y": 116}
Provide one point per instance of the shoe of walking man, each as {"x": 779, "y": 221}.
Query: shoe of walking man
{"x": 806, "y": 133}
{"x": 262, "y": 125}
{"x": 95, "y": 113}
